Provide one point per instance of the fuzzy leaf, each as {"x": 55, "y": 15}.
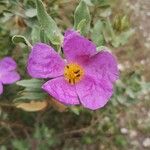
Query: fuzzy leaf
{"x": 30, "y": 95}
{"x": 81, "y": 26}
{"x": 108, "y": 31}
{"x": 35, "y": 34}
{"x": 32, "y": 90}
{"x": 97, "y": 35}
{"x": 122, "y": 38}
{"x": 20, "y": 39}
{"x": 82, "y": 12}
{"x": 31, "y": 83}
{"x": 48, "y": 24}
{"x": 43, "y": 37}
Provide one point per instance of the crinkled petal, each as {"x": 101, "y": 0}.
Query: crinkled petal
{"x": 76, "y": 46}
{"x": 7, "y": 64}
{"x": 93, "y": 94}
{"x": 102, "y": 65}
{"x": 9, "y": 77}
{"x": 61, "y": 90}
{"x": 44, "y": 62}
{"x": 1, "y": 88}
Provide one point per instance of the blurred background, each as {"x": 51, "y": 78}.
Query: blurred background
{"x": 124, "y": 123}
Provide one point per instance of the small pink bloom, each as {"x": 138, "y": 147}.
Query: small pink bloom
{"x": 8, "y": 74}
{"x": 86, "y": 77}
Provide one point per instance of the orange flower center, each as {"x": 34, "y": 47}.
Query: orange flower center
{"x": 73, "y": 73}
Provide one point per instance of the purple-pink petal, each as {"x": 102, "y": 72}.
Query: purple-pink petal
{"x": 76, "y": 46}
{"x": 7, "y": 64}
{"x": 44, "y": 62}
{"x": 1, "y": 88}
{"x": 9, "y": 77}
{"x": 61, "y": 90}
{"x": 102, "y": 65}
{"x": 8, "y": 74}
{"x": 94, "y": 94}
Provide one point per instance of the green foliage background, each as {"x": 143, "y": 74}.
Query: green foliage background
{"x": 77, "y": 128}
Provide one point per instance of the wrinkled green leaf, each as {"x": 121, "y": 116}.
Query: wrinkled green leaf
{"x": 82, "y": 12}
{"x": 122, "y": 38}
{"x": 31, "y": 96}
{"x": 108, "y": 31}
{"x": 38, "y": 35}
{"x": 21, "y": 39}
{"x": 81, "y": 25}
{"x": 32, "y": 91}
{"x": 30, "y": 83}
{"x": 35, "y": 34}
{"x": 43, "y": 37}
{"x": 48, "y": 24}
{"x": 97, "y": 34}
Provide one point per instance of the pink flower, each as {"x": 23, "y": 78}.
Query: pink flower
{"x": 8, "y": 74}
{"x": 86, "y": 77}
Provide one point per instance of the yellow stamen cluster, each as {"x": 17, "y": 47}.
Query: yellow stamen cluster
{"x": 73, "y": 73}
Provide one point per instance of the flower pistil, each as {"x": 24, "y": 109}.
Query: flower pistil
{"x": 73, "y": 73}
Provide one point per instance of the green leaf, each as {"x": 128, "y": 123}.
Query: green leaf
{"x": 38, "y": 35}
{"x": 21, "y": 39}
{"x": 32, "y": 91}
{"x": 30, "y": 83}
{"x": 122, "y": 38}
{"x": 35, "y": 34}
{"x": 44, "y": 37}
{"x": 82, "y": 12}
{"x": 97, "y": 34}
{"x": 107, "y": 32}
{"x": 48, "y": 24}
{"x": 31, "y": 96}
{"x": 81, "y": 26}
